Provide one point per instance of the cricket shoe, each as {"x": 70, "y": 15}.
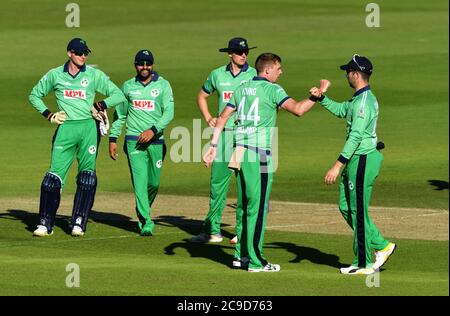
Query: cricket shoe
{"x": 356, "y": 270}
{"x": 234, "y": 240}
{"x": 42, "y": 231}
{"x": 147, "y": 231}
{"x": 382, "y": 256}
{"x": 270, "y": 267}
{"x": 241, "y": 262}
{"x": 77, "y": 231}
{"x": 205, "y": 238}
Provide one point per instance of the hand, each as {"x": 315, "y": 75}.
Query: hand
{"x": 333, "y": 173}
{"x": 58, "y": 117}
{"x": 324, "y": 85}
{"x": 209, "y": 156}
{"x": 98, "y": 115}
{"x": 146, "y": 136}
{"x": 315, "y": 92}
{"x": 113, "y": 151}
{"x": 212, "y": 122}
{"x": 104, "y": 124}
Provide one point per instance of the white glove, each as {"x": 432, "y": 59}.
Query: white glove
{"x": 58, "y": 117}
{"x": 96, "y": 114}
{"x": 104, "y": 123}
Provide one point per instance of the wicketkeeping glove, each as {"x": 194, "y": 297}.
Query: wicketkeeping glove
{"x": 57, "y": 118}
{"x": 104, "y": 123}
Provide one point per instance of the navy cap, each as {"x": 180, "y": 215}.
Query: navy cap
{"x": 78, "y": 45}
{"x": 144, "y": 55}
{"x": 236, "y": 44}
{"x": 359, "y": 63}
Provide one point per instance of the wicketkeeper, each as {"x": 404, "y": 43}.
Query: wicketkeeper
{"x": 78, "y": 133}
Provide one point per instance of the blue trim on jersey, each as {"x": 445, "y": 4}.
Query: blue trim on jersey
{"x": 231, "y": 105}
{"x": 152, "y": 142}
{"x": 205, "y": 90}
{"x": 282, "y": 101}
{"x": 361, "y": 90}
{"x": 66, "y": 69}
{"x": 155, "y": 77}
{"x": 243, "y": 69}
{"x": 260, "y": 78}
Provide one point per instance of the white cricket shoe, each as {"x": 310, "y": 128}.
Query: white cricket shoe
{"x": 205, "y": 238}
{"x": 356, "y": 270}
{"x": 77, "y": 231}
{"x": 382, "y": 256}
{"x": 270, "y": 267}
{"x": 234, "y": 240}
{"x": 42, "y": 231}
{"x": 241, "y": 262}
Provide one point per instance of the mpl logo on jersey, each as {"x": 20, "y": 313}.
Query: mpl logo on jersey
{"x": 144, "y": 105}
{"x": 75, "y": 94}
{"x": 226, "y": 96}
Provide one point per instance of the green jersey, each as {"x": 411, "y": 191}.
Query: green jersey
{"x": 257, "y": 102}
{"x": 75, "y": 94}
{"x": 148, "y": 106}
{"x": 224, "y": 82}
{"x": 361, "y": 112}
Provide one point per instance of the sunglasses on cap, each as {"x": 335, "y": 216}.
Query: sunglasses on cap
{"x": 241, "y": 52}
{"x": 85, "y": 53}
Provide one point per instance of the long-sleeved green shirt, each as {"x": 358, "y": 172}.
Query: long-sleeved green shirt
{"x": 75, "y": 94}
{"x": 361, "y": 112}
{"x": 148, "y": 106}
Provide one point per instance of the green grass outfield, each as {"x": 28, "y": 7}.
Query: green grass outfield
{"x": 409, "y": 51}
{"x": 410, "y": 56}
{"x": 114, "y": 260}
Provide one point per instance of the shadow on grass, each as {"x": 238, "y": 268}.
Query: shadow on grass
{"x": 306, "y": 253}
{"x": 31, "y": 220}
{"x": 439, "y": 184}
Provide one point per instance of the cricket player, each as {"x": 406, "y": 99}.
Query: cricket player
{"x": 75, "y": 85}
{"x": 147, "y": 112}
{"x": 224, "y": 80}
{"x": 257, "y": 103}
{"x": 361, "y": 161}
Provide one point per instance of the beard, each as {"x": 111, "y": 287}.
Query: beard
{"x": 144, "y": 74}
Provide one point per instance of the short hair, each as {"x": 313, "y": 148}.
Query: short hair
{"x": 365, "y": 76}
{"x": 266, "y": 59}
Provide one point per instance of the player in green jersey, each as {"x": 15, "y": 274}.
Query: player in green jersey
{"x": 362, "y": 162}
{"x": 224, "y": 80}
{"x": 257, "y": 103}
{"x": 148, "y": 110}
{"x": 75, "y": 85}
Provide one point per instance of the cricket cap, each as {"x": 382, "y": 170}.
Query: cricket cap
{"x": 236, "y": 44}
{"x": 78, "y": 45}
{"x": 359, "y": 63}
{"x": 144, "y": 55}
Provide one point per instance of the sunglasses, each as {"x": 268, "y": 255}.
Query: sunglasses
{"x": 142, "y": 63}
{"x": 85, "y": 53}
{"x": 241, "y": 52}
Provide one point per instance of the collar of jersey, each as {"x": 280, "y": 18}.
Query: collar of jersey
{"x": 361, "y": 90}
{"x": 244, "y": 68}
{"x": 155, "y": 77}
{"x": 260, "y": 79}
{"x": 66, "y": 69}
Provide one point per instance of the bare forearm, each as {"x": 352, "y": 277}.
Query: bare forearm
{"x": 203, "y": 106}
{"x": 304, "y": 106}
{"x": 221, "y": 121}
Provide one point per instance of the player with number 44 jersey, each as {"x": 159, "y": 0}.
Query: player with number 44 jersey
{"x": 257, "y": 103}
